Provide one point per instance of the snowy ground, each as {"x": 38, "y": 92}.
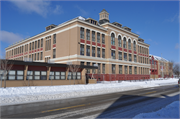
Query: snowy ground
{"x": 15, "y": 95}
{"x": 171, "y": 110}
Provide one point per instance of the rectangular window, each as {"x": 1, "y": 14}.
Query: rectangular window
{"x": 54, "y": 53}
{"x": 12, "y": 75}
{"x": 32, "y": 57}
{"x": 113, "y": 68}
{"x": 93, "y": 70}
{"x": 98, "y": 37}
{"x": 22, "y": 48}
{"x": 135, "y": 70}
{"x": 113, "y": 55}
{"x": 78, "y": 75}
{"x": 35, "y": 44}
{"x": 120, "y": 55}
{"x": 69, "y": 75}
{"x": 126, "y": 70}
{"x": 43, "y": 75}
{"x": 103, "y": 39}
{"x": 103, "y": 53}
{"x": 93, "y": 52}
{"x": 30, "y": 46}
{"x": 82, "y": 49}
{"x": 98, "y": 52}
{"x": 103, "y": 68}
{"x": 35, "y": 56}
{"x": 82, "y": 33}
{"x": 87, "y": 50}
{"x": 38, "y": 43}
{"x": 120, "y": 69}
{"x": 88, "y": 70}
{"x": 38, "y": 56}
{"x": 130, "y": 69}
{"x": 63, "y": 75}
{"x": 93, "y": 36}
{"x": 54, "y": 40}
{"x": 41, "y": 42}
{"x": 125, "y": 56}
{"x": 50, "y": 44}
{"x": 87, "y": 34}
{"x": 135, "y": 59}
{"x": 82, "y": 63}
{"x": 41, "y": 55}
{"x": 130, "y": 59}
{"x": 37, "y": 75}
{"x": 99, "y": 68}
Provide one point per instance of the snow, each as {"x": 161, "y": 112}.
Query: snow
{"x": 15, "y": 95}
{"x": 81, "y": 18}
{"x": 159, "y": 58}
{"x": 170, "y": 111}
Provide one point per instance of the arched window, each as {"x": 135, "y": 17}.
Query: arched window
{"x": 129, "y": 44}
{"x": 124, "y": 43}
{"x": 119, "y": 41}
{"x": 134, "y": 44}
{"x": 112, "y": 39}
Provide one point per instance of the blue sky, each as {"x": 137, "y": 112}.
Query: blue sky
{"x": 156, "y": 22}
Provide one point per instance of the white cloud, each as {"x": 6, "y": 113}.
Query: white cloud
{"x": 10, "y": 37}
{"x": 83, "y": 12}
{"x": 40, "y": 7}
{"x": 138, "y": 32}
{"x": 173, "y": 18}
{"x": 177, "y": 46}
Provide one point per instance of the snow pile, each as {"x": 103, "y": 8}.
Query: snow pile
{"x": 13, "y": 95}
{"x": 170, "y": 111}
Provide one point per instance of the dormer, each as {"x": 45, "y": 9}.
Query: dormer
{"x": 92, "y": 21}
{"x": 50, "y": 27}
{"x": 117, "y": 24}
{"x": 127, "y": 28}
{"x": 103, "y": 16}
{"x": 141, "y": 40}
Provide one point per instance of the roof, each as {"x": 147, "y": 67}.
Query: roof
{"x": 103, "y": 10}
{"x": 159, "y": 58}
{"x": 18, "y": 62}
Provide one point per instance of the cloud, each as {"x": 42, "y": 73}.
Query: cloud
{"x": 173, "y": 18}
{"x": 10, "y": 37}
{"x": 83, "y": 12}
{"x": 138, "y": 32}
{"x": 40, "y": 7}
{"x": 177, "y": 46}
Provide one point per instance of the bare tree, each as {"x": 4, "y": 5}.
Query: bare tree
{"x": 74, "y": 69}
{"x": 6, "y": 65}
{"x": 176, "y": 69}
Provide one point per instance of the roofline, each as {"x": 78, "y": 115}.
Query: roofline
{"x": 58, "y": 26}
{"x": 119, "y": 28}
{"x": 143, "y": 43}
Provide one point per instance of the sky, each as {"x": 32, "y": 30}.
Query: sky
{"x": 157, "y": 22}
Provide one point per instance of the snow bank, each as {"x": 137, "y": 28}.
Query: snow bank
{"x": 12, "y": 95}
{"x": 170, "y": 111}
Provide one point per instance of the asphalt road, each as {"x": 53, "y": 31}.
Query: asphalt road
{"x": 114, "y": 105}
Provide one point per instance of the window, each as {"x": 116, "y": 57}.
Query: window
{"x": 130, "y": 59}
{"x": 35, "y": 56}
{"x": 43, "y": 75}
{"x": 37, "y": 75}
{"x": 99, "y": 68}
{"x": 41, "y": 42}
{"x": 29, "y": 75}
{"x": 126, "y": 71}
{"x": 32, "y": 57}
{"x": 93, "y": 70}
{"x": 82, "y": 33}
{"x": 98, "y": 52}
{"x": 82, "y": 63}
{"x": 135, "y": 70}
{"x": 22, "y": 48}
{"x": 38, "y": 43}
{"x": 103, "y": 53}
{"x": 103, "y": 39}
{"x": 82, "y": 50}
{"x": 120, "y": 69}
{"x": 113, "y": 68}
{"x": 134, "y": 46}
{"x": 54, "y": 53}
{"x": 129, "y": 44}
{"x": 98, "y": 37}
{"x": 87, "y": 34}
{"x": 119, "y": 41}
{"x": 93, "y": 52}
{"x": 57, "y": 75}
{"x": 78, "y": 75}
{"x": 33, "y": 46}
{"x": 54, "y": 40}
{"x": 130, "y": 69}
{"x": 41, "y": 55}
{"x": 124, "y": 43}
{"x": 93, "y": 36}
{"x": 88, "y": 70}
{"x": 12, "y": 75}
{"x": 125, "y": 56}
{"x": 135, "y": 59}
{"x": 87, "y": 50}
{"x": 120, "y": 55}
{"x": 113, "y": 55}
{"x": 103, "y": 68}
{"x": 112, "y": 39}
{"x": 38, "y": 56}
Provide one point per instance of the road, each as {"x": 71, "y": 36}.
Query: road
{"x": 114, "y": 105}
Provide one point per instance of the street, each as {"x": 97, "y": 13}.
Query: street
{"x": 114, "y": 105}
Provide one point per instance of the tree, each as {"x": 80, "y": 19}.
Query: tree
{"x": 74, "y": 69}
{"x": 6, "y": 65}
{"x": 176, "y": 69}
